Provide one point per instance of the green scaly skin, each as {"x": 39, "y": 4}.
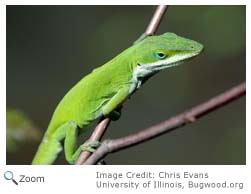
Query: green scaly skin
{"x": 106, "y": 88}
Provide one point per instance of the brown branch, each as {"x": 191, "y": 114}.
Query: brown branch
{"x": 104, "y": 122}
{"x": 154, "y": 23}
{"x": 171, "y": 124}
{"x": 97, "y": 134}
{"x": 156, "y": 19}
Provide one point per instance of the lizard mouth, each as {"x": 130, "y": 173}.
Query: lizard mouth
{"x": 170, "y": 62}
{"x": 147, "y": 70}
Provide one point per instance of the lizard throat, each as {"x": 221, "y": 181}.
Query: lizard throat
{"x": 144, "y": 71}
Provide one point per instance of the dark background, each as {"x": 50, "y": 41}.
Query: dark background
{"x": 50, "y": 48}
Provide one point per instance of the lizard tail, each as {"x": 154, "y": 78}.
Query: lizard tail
{"x": 47, "y": 152}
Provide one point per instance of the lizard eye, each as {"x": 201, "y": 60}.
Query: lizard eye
{"x": 160, "y": 55}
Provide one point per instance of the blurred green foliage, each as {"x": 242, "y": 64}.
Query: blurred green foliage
{"x": 50, "y": 48}
{"x": 20, "y": 130}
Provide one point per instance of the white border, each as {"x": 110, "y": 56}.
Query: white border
{"x": 76, "y": 179}
{"x": 124, "y": 2}
{"x": 3, "y": 85}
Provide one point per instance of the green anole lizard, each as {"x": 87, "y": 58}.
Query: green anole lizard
{"x": 106, "y": 88}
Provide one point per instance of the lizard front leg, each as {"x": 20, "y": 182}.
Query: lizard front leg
{"x": 113, "y": 107}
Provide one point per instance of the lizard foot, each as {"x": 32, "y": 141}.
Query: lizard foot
{"x": 90, "y": 146}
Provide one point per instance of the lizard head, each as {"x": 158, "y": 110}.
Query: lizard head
{"x": 156, "y": 53}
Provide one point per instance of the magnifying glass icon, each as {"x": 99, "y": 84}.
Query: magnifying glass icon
{"x": 8, "y": 175}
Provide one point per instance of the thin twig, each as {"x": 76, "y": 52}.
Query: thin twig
{"x": 97, "y": 134}
{"x": 104, "y": 122}
{"x": 154, "y": 23}
{"x": 156, "y": 19}
{"x": 171, "y": 124}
